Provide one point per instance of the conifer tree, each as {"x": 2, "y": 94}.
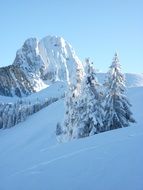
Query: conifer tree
{"x": 117, "y": 106}
{"x": 90, "y": 108}
{"x": 71, "y": 111}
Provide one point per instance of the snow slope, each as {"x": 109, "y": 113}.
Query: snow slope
{"x": 56, "y": 90}
{"x": 31, "y": 158}
{"x": 14, "y": 110}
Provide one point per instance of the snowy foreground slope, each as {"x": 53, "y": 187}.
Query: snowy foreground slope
{"x": 31, "y": 158}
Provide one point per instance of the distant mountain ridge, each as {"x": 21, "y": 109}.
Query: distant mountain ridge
{"x": 39, "y": 63}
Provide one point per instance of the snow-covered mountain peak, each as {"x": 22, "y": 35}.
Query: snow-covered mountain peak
{"x": 39, "y": 63}
{"x": 58, "y": 44}
{"x": 25, "y": 55}
{"x": 59, "y": 59}
{"x": 52, "y": 57}
{"x": 52, "y": 53}
{"x": 30, "y": 42}
{"x": 55, "y": 40}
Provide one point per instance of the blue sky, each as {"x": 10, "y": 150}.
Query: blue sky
{"x": 95, "y": 29}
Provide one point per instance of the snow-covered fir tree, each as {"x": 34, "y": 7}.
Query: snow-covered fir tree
{"x": 89, "y": 106}
{"x": 84, "y": 110}
{"x": 117, "y": 106}
{"x": 71, "y": 112}
{"x": 71, "y": 102}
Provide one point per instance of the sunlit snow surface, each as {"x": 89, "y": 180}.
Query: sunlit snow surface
{"x": 31, "y": 158}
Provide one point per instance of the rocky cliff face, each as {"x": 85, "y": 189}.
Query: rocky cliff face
{"x": 13, "y": 81}
{"x": 37, "y": 65}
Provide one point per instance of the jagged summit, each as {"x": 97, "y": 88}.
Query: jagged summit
{"x": 39, "y": 63}
{"x": 52, "y": 58}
